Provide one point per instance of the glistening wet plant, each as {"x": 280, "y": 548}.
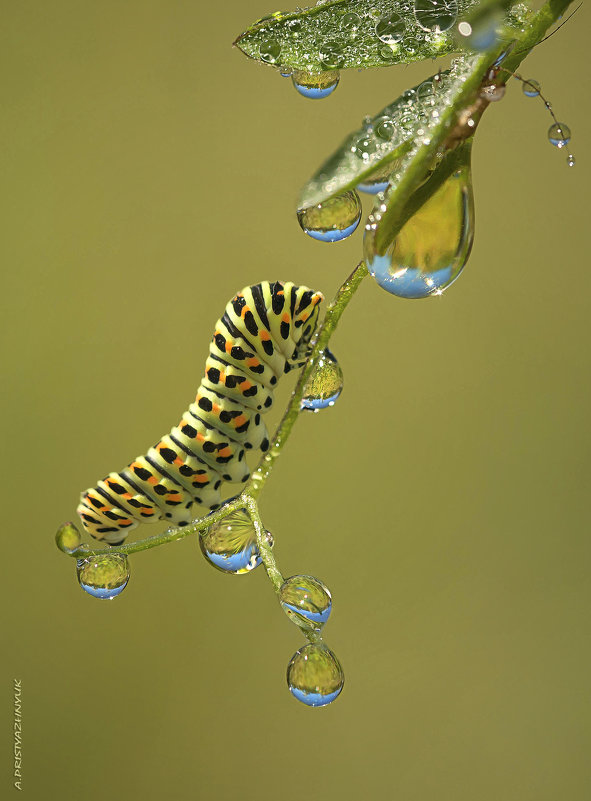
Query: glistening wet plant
{"x": 413, "y": 157}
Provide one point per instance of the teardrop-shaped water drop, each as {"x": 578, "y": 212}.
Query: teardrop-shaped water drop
{"x": 306, "y": 601}
{"x": 67, "y": 537}
{"x": 315, "y": 86}
{"x": 324, "y": 385}
{"x": 531, "y": 87}
{"x": 436, "y": 16}
{"x": 332, "y": 220}
{"x": 314, "y": 675}
{"x": 432, "y": 248}
{"x": 104, "y": 575}
{"x": 559, "y": 134}
{"x": 231, "y": 544}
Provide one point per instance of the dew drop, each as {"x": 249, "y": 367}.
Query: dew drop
{"x": 270, "y": 51}
{"x": 314, "y": 675}
{"x": 350, "y": 22}
{"x": 388, "y": 51}
{"x": 324, "y": 385}
{"x": 436, "y": 16}
{"x": 570, "y": 160}
{"x": 531, "y": 88}
{"x": 332, "y": 220}
{"x": 390, "y": 29}
{"x": 559, "y": 134}
{"x": 306, "y": 601}
{"x": 315, "y": 86}
{"x": 432, "y": 248}
{"x": 104, "y": 575}
{"x": 332, "y": 56}
{"x": 385, "y": 128}
{"x": 67, "y": 537}
{"x": 231, "y": 544}
{"x": 294, "y": 25}
{"x": 365, "y": 147}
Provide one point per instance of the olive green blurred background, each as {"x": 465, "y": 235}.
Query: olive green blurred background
{"x": 149, "y": 171}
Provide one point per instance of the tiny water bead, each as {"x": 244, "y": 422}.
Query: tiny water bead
{"x": 559, "y": 134}
{"x": 570, "y": 160}
{"x": 104, "y": 575}
{"x": 332, "y": 220}
{"x": 324, "y": 385}
{"x": 435, "y": 16}
{"x": 306, "y": 601}
{"x": 432, "y": 247}
{"x": 231, "y": 545}
{"x": 67, "y": 537}
{"x": 315, "y": 86}
{"x": 314, "y": 675}
{"x": 531, "y": 88}
{"x": 390, "y": 29}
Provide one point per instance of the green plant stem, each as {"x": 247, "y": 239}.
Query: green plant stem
{"x": 319, "y": 343}
{"x": 392, "y": 217}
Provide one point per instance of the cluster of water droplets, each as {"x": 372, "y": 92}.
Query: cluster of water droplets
{"x": 314, "y": 674}
{"x": 324, "y": 385}
{"x": 230, "y": 545}
{"x": 363, "y": 35}
{"x": 558, "y": 133}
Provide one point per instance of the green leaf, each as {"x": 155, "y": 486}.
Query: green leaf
{"x": 344, "y": 34}
{"x": 372, "y": 151}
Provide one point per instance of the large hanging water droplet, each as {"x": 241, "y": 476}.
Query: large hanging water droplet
{"x": 315, "y": 86}
{"x": 559, "y": 134}
{"x": 332, "y": 220}
{"x": 67, "y": 537}
{"x": 324, "y": 385}
{"x": 531, "y": 87}
{"x": 435, "y": 16}
{"x": 432, "y": 248}
{"x": 306, "y": 601}
{"x": 390, "y": 29}
{"x": 270, "y": 51}
{"x": 104, "y": 575}
{"x": 314, "y": 675}
{"x": 231, "y": 544}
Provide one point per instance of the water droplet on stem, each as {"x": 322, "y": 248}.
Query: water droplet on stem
{"x": 314, "y": 675}
{"x": 103, "y": 576}
{"x": 306, "y": 601}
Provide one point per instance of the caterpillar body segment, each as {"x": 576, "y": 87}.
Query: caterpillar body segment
{"x": 264, "y": 332}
